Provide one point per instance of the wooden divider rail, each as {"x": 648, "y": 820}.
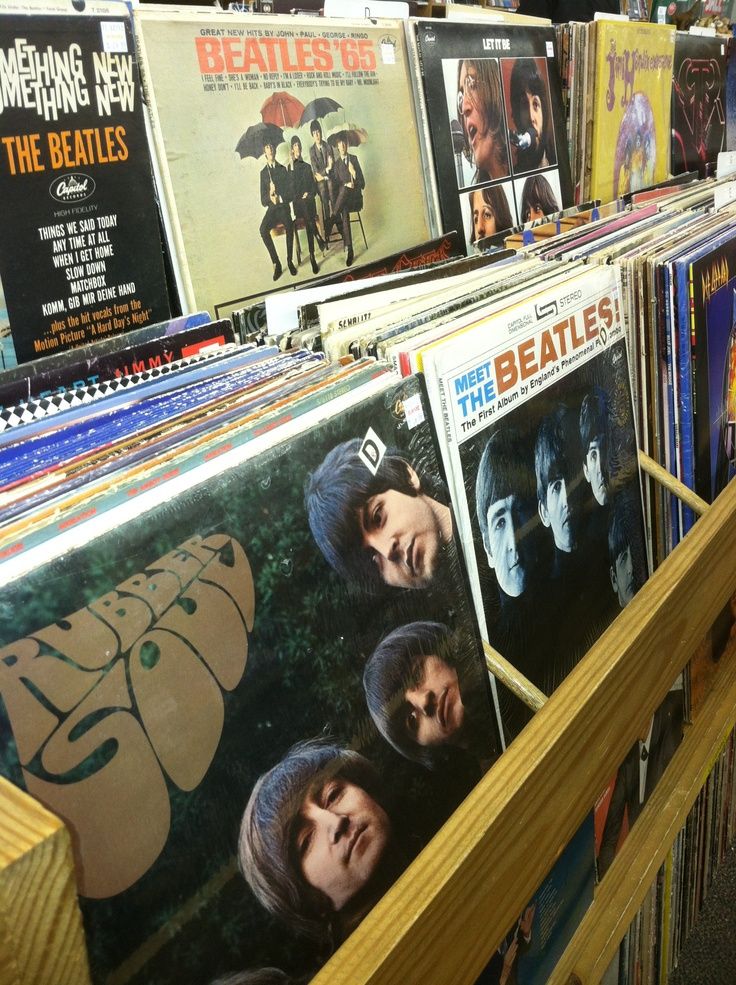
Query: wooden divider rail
{"x": 446, "y": 916}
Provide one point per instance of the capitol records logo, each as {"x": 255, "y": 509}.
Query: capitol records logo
{"x": 544, "y": 310}
{"x": 72, "y": 187}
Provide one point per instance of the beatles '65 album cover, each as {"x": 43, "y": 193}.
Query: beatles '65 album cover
{"x": 493, "y": 105}
{"x": 304, "y": 157}
{"x": 80, "y": 253}
{"x": 254, "y": 702}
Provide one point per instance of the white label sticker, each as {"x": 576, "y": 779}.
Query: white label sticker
{"x": 371, "y": 451}
{"x": 414, "y": 411}
{"x": 388, "y": 53}
{"x": 724, "y": 194}
{"x": 550, "y": 49}
{"x": 726, "y": 163}
{"x": 113, "y": 36}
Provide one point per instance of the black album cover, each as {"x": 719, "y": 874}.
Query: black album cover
{"x": 698, "y": 102}
{"x": 80, "y": 253}
{"x": 493, "y": 104}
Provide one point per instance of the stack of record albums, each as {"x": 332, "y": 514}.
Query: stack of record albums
{"x": 327, "y": 350}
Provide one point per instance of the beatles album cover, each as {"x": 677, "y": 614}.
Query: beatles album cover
{"x": 305, "y": 156}
{"x": 275, "y": 672}
{"x": 698, "y": 102}
{"x": 538, "y": 419}
{"x": 493, "y": 104}
{"x": 632, "y": 107}
{"x": 80, "y": 252}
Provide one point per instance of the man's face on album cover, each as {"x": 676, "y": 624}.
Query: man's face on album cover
{"x": 594, "y": 470}
{"x": 269, "y": 152}
{"x": 434, "y": 706}
{"x": 341, "y": 837}
{"x": 508, "y": 527}
{"x": 561, "y": 512}
{"x": 405, "y": 534}
{"x": 622, "y": 577}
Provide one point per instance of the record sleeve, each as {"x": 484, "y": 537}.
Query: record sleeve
{"x": 698, "y": 102}
{"x": 535, "y": 408}
{"x": 496, "y": 124}
{"x": 80, "y": 252}
{"x": 239, "y": 224}
{"x": 157, "y": 665}
{"x": 713, "y": 290}
{"x": 632, "y": 107}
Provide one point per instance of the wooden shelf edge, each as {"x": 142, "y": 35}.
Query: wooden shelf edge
{"x": 41, "y": 927}
{"x": 622, "y": 891}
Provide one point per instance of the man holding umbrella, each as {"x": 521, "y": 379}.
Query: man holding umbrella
{"x": 321, "y": 159}
{"x": 350, "y": 184}
{"x": 304, "y": 188}
{"x": 275, "y": 197}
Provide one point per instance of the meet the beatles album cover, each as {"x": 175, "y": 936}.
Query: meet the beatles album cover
{"x": 538, "y": 412}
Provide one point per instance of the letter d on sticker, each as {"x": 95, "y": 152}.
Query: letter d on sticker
{"x": 372, "y": 451}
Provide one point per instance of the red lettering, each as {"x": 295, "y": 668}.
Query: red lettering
{"x": 208, "y": 55}
{"x": 526, "y": 359}
{"x": 506, "y": 371}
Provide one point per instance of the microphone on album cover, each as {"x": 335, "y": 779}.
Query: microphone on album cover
{"x": 524, "y": 139}
{"x": 458, "y": 146}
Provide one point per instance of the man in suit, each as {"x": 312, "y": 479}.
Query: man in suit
{"x": 275, "y": 196}
{"x": 322, "y": 160}
{"x": 350, "y": 184}
{"x": 303, "y": 190}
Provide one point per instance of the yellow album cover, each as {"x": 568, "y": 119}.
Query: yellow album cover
{"x": 631, "y": 121}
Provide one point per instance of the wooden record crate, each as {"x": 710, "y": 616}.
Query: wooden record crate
{"x": 446, "y": 915}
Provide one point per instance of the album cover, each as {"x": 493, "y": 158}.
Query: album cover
{"x": 496, "y": 125}
{"x": 210, "y": 682}
{"x": 305, "y": 158}
{"x": 80, "y": 252}
{"x": 698, "y": 102}
{"x": 631, "y": 111}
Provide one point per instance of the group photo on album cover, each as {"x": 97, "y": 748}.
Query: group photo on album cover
{"x": 555, "y": 505}
{"x": 503, "y": 141}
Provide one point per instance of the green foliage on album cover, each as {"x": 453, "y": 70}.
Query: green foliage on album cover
{"x": 311, "y": 637}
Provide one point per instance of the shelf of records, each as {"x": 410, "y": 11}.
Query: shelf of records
{"x": 453, "y": 906}
{"x": 257, "y": 557}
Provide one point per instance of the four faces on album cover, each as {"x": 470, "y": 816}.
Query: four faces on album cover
{"x": 502, "y": 134}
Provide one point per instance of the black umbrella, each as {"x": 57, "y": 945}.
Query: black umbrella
{"x": 252, "y": 141}
{"x": 352, "y": 135}
{"x": 317, "y": 108}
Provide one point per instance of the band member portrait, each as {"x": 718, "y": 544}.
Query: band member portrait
{"x": 424, "y": 694}
{"x": 538, "y": 199}
{"x": 303, "y": 191}
{"x": 594, "y": 436}
{"x": 275, "y": 196}
{"x": 559, "y": 479}
{"x": 480, "y": 112}
{"x": 490, "y": 212}
{"x": 382, "y": 529}
{"x": 349, "y": 182}
{"x": 624, "y": 581}
{"x": 322, "y": 160}
{"x": 533, "y": 133}
{"x": 507, "y": 513}
{"x": 317, "y": 843}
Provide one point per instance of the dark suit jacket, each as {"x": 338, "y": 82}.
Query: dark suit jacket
{"x": 342, "y": 177}
{"x": 666, "y": 736}
{"x": 280, "y": 177}
{"x": 318, "y": 158}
